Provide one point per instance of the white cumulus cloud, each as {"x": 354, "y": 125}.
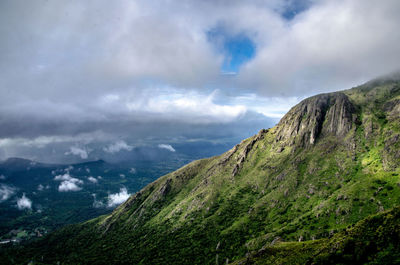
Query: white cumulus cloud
{"x": 166, "y": 146}
{"x": 63, "y": 177}
{"x": 118, "y": 198}
{"x": 68, "y": 183}
{"x": 92, "y": 179}
{"x": 118, "y": 146}
{"x": 24, "y": 203}
{"x": 73, "y": 150}
{"x": 68, "y": 186}
{"x": 6, "y": 192}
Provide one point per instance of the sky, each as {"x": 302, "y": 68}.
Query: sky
{"x": 79, "y": 78}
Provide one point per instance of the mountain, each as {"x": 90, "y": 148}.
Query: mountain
{"x": 16, "y": 163}
{"x": 330, "y": 163}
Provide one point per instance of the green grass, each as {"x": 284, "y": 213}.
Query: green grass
{"x": 374, "y": 240}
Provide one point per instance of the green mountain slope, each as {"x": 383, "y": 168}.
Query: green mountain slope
{"x": 331, "y": 161}
{"x": 374, "y": 240}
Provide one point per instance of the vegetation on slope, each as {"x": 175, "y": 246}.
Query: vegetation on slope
{"x": 330, "y": 162}
{"x": 374, "y": 240}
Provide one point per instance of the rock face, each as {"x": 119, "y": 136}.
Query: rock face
{"x": 325, "y": 114}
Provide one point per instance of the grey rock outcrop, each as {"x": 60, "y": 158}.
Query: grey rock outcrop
{"x": 325, "y": 114}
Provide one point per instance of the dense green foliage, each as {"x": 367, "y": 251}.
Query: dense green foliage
{"x": 374, "y": 240}
{"x": 332, "y": 161}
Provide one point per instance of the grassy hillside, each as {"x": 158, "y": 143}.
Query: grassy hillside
{"x": 330, "y": 162}
{"x": 374, "y": 240}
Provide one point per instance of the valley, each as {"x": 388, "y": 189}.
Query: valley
{"x": 37, "y": 198}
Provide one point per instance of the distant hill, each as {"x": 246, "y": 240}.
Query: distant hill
{"x": 17, "y": 163}
{"x": 285, "y": 195}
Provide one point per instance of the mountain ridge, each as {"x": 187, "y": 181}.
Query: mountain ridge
{"x": 331, "y": 161}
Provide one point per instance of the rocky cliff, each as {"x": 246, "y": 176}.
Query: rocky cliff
{"x": 322, "y": 115}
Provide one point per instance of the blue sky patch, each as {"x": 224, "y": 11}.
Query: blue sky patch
{"x": 237, "y": 49}
{"x": 294, "y": 7}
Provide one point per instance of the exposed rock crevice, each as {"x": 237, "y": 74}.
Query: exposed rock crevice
{"x": 242, "y": 156}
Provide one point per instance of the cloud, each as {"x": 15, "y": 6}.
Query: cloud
{"x": 92, "y": 179}
{"x": 65, "y": 176}
{"x": 167, "y": 147}
{"x": 189, "y": 107}
{"x": 6, "y": 192}
{"x": 117, "y": 146}
{"x": 42, "y": 187}
{"x": 120, "y": 47}
{"x": 96, "y": 203}
{"x": 43, "y": 141}
{"x": 148, "y": 132}
{"x": 273, "y": 107}
{"x": 333, "y": 45}
{"x": 68, "y": 169}
{"x": 83, "y": 153}
{"x": 68, "y": 183}
{"x": 109, "y": 84}
{"x": 132, "y": 170}
{"x": 2, "y": 177}
{"x": 68, "y": 186}
{"x": 24, "y": 203}
{"x": 137, "y": 70}
{"x": 118, "y": 198}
